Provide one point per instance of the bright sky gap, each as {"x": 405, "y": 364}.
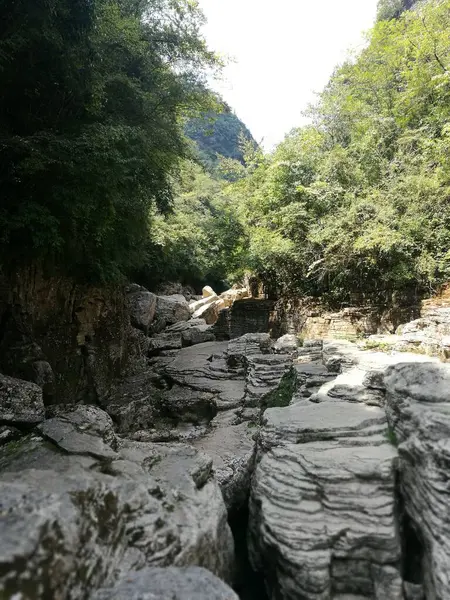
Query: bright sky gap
{"x": 283, "y": 53}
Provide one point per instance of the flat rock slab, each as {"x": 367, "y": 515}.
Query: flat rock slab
{"x": 232, "y": 449}
{"x": 193, "y": 583}
{"x": 323, "y": 516}
{"x": 354, "y": 424}
{"x": 72, "y": 521}
{"x": 202, "y": 367}
{"x": 418, "y": 408}
{"x": 322, "y": 504}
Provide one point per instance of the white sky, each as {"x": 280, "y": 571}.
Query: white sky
{"x": 283, "y": 52}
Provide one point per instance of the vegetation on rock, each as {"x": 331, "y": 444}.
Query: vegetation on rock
{"x": 218, "y": 136}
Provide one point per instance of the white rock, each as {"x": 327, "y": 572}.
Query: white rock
{"x": 195, "y": 306}
{"x": 208, "y": 291}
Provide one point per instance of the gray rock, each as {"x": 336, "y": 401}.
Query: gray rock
{"x": 21, "y": 401}
{"x": 200, "y": 304}
{"x": 197, "y": 335}
{"x": 204, "y": 368}
{"x": 413, "y": 591}
{"x": 9, "y": 434}
{"x": 232, "y": 449}
{"x": 270, "y": 381}
{"x": 418, "y": 409}
{"x": 322, "y": 504}
{"x": 210, "y": 312}
{"x": 187, "y": 405}
{"x": 142, "y": 304}
{"x": 42, "y": 374}
{"x": 287, "y": 344}
{"x": 183, "y": 325}
{"x": 149, "y": 408}
{"x": 164, "y": 341}
{"x": 84, "y": 430}
{"x": 172, "y": 309}
{"x": 136, "y": 404}
{"x": 192, "y": 583}
{"x": 241, "y": 348}
{"x": 310, "y": 378}
{"x": 74, "y": 523}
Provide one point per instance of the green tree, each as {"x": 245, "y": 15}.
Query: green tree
{"x": 93, "y": 96}
{"x": 359, "y": 200}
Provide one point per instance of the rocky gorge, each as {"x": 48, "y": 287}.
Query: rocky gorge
{"x": 193, "y": 456}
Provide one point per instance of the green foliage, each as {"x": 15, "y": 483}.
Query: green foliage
{"x": 282, "y": 395}
{"x": 359, "y": 200}
{"x": 201, "y": 240}
{"x": 90, "y": 113}
{"x": 391, "y": 437}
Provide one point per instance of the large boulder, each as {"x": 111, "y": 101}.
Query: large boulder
{"x": 164, "y": 341}
{"x": 241, "y": 348}
{"x": 232, "y": 448}
{"x": 21, "y": 401}
{"x": 287, "y": 344}
{"x": 230, "y": 296}
{"x": 171, "y": 309}
{"x": 192, "y": 583}
{"x": 194, "y": 307}
{"x": 203, "y": 368}
{"x": 323, "y": 503}
{"x": 210, "y": 311}
{"x": 418, "y": 408}
{"x": 198, "y": 334}
{"x": 207, "y": 291}
{"x": 194, "y": 331}
{"x": 271, "y": 381}
{"x": 142, "y": 305}
{"x": 84, "y": 508}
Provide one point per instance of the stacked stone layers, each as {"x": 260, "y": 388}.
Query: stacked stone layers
{"x": 323, "y": 510}
{"x": 322, "y": 504}
{"x": 418, "y": 406}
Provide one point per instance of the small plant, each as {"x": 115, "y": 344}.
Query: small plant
{"x": 381, "y": 346}
{"x": 391, "y": 436}
{"x": 282, "y": 395}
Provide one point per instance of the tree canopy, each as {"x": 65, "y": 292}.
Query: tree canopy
{"x": 98, "y": 177}
{"x": 360, "y": 199}
{"x": 94, "y": 94}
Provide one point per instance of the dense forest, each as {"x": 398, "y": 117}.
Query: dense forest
{"x": 94, "y": 98}
{"x": 99, "y": 178}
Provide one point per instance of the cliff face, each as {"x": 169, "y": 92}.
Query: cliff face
{"x": 72, "y": 340}
{"x": 392, "y": 9}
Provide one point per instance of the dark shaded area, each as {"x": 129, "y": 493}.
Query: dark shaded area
{"x": 248, "y": 584}
{"x": 413, "y": 549}
{"x": 250, "y": 315}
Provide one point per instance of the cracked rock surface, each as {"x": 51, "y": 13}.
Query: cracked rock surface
{"x": 193, "y": 583}
{"x": 323, "y": 515}
{"x": 80, "y": 508}
{"x": 418, "y": 407}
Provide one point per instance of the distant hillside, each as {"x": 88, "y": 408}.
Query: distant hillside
{"x": 391, "y": 9}
{"x": 218, "y": 134}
